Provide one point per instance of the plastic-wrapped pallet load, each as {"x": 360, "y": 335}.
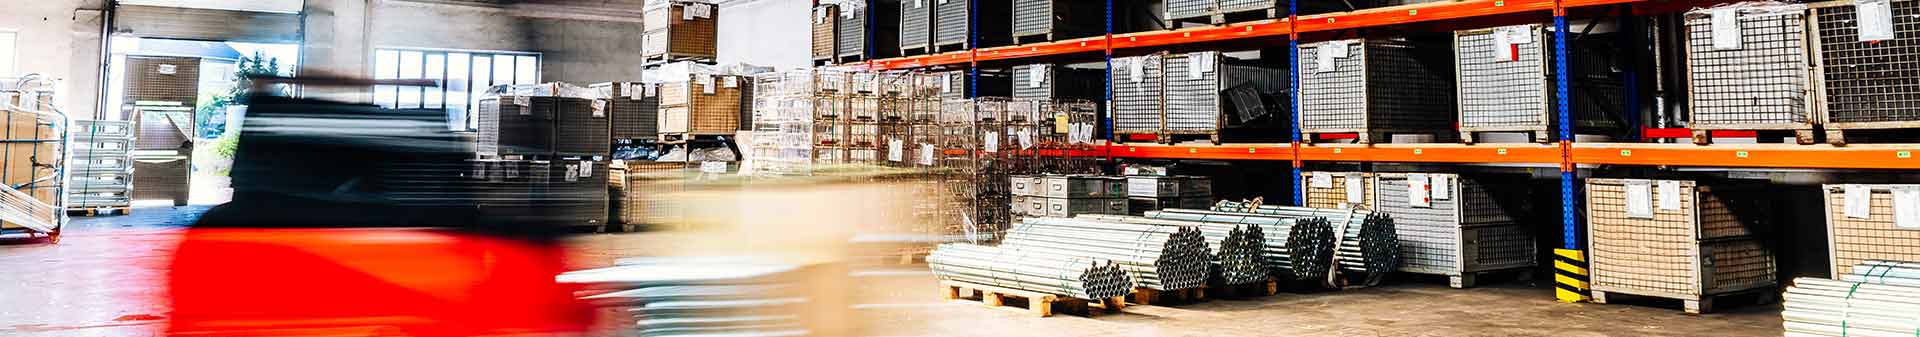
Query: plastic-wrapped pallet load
{"x": 916, "y": 27}
{"x": 1747, "y": 69}
{"x": 1459, "y": 226}
{"x": 1051, "y": 20}
{"x": 826, "y": 26}
{"x": 956, "y": 28}
{"x": 1867, "y": 51}
{"x": 1868, "y": 222}
{"x": 1676, "y": 239}
{"x": 1339, "y": 190}
{"x": 1506, "y": 81}
{"x": 1375, "y": 88}
{"x": 680, "y": 30}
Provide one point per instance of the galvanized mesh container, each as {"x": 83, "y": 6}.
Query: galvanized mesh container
{"x": 1051, "y": 82}
{"x": 646, "y": 196}
{"x": 1233, "y": 6}
{"x": 1869, "y": 231}
{"x": 1206, "y": 92}
{"x": 1506, "y": 82}
{"x": 633, "y": 109}
{"x": 680, "y": 30}
{"x": 1456, "y": 225}
{"x": 826, "y": 27}
{"x": 1868, "y": 84}
{"x": 165, "y": 179}
{"x": 1675, "y": 239}
{"x": 1139, "y": 94}
{"x": 1341, "y": 190}
{"x": 959, "y": 84}
{"x": 517, "y": 125}
{"x": 582, "y": 128}
{"x": 954, "y": 23}
{"x": 916, "y": 26}
{"x": 1047, "y": 20}
{"x": 1377, "y": 87}
{"x": 1177, "y": 10}
{"x": 1761, "y": 82}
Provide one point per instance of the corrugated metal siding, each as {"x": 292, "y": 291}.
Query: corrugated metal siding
{"x": 1766, "y": 81}
{"x": 1138, "y": 104}
{"x": 1870, "y": 81}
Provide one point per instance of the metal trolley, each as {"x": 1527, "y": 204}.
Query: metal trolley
{"x": 34, "y": 165}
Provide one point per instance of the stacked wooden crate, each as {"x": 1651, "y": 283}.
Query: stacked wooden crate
{"x": 701, "y": 104}
{"x": 680, "y": 30}
{"x": 1676, "y": 239}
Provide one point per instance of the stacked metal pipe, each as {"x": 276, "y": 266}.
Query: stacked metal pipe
{"x": 1369, "y": 245}
{"x": 1158, "y": 257}
{"x": 1299, "y": 249}
{"x": 1238, "y": 250}
{"x": 1006, "y": 267}
{"x": 702, "y": 296}
{"x": 1878, "y": 299}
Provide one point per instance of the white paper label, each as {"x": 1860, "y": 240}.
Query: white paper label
{"x": 706, "y": 84}
{"x": 1356, "y": 189}
{"x": 1639, "y": 199}
{"x": 1726, "y": 28}
{"x": 819, "y": 16}
{"x": 1669, "y": 195}
{"x": 686, "y": 13}
{"x": 586, "y": 169}
{"x": 168, "y": 69}
{"x": 1520, "y": 35}
{"x": 992, "y": 142}
{"x": 1503, "y": 49}
{"x": 1875, "y": 19}
{"x": 1036, "y": 75}
{"x": 1196, "y": 65}
{"x": 919, "y": 3}
{"x": 1136, "y": 69}
{"x": 713, "y": 167}
{"x": 1321, "y": 180}
{"x": 649, "y": 90}
{"x": 1418, "y": 195}
{"x": 1026, "y": 139}
{"x": 1323, "y": 58}
{"x": 946, "y": 83}
{"x": 634, "y": 90}
{"x": 702, "y": 11}
{"x": 1858, "y": 202}
{"x": 731, "y": 82}
{"x": 599, "y": 108}
{"x": 1906, "y": 207}
{"x": 1441, "y": 185}
{"x": 896, "y": 151}
{"x": 572, "y": 172}
{"x": 926, "y": 154}
{"x": 522, "y": 101}
{"x": 943, "y": 2}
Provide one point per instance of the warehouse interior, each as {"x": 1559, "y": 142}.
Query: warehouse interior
{"x": 960, "y": 168}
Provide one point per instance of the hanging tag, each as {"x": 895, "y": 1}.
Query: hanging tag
{"x": 649, "y": 89}
{"x": 1726, "y": 28}
{"x": 732, "y": 82}
{"x": 522, "y": 101}
{"x": 1320, "y": 180}
{"x": 1026, "y": 139}
{"x": 1639, "y": 199}
{"x": 706, "y": 84}
{"x": 586, "y": 169}
{"x": 1858, "y": 201}
{"x": 1520, "y": 35}
{"x": 572, "y": 172}
{"x": 1356, "y": 188}
{"x": 686, "y": 13}
{"x": 1195, "y": 66}
{"x": 1328, "y": 53}
{"x": 946, "y": 83}
{"x": 1061, "y": 124}
{"x": 819, "y": 16}
{"x": 635, "y": 90}
{"x": 1441, "y": 185}
{"x": 943, "y": 2}
{"x": 848, "y": 12}
{"x": 167, "y": 69}
{"x": 1503, "y": 48}
{"x": 599, "y": 108}
{"x": 1036, "y": 75}
{"x": 1417, "y": 192}
{"x": 1875, "y": 19}
{"x": 895, "y": 150}
{"x": 1906, "y": 207}
{"x": 926, "y": 154}
{"x": 705, "y": 11}
{"x": 1136, "y": 68}
{"x": 992, "y": 142}
{"x": 1669, "y": 195}
{"x": 919, "y": 3}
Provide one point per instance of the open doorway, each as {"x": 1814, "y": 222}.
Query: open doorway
{"x": 182, "y": 97}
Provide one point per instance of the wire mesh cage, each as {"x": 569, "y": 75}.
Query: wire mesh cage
{"x": 1376, "y": 87}
{"x": 1049, "y": 20}
{"x": 1675, "y": 239}
{"x": 1458, "y": 225}
{"x": 1207, "y": 93}
{"x": 633, "y": 109}
{"x": 1753, "y": 76}
{"x": 1862, "y": 226}
{"x": 916, "y": 26}
{"x": 1139, "y": 94}
{"x": 971, "y": 24}
{"x": 1506, "y": 82}
{"x": 825, "y": 29}
{"x": 1869, "y": 64}
{"x": 680, "y": 30}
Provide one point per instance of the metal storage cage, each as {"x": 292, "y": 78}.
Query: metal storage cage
{"x": 1458, "y": 226}
{"x": 1867, "y": 84}
{"x": 1375, "y": 88}
{"x": 916, "y": 27}
{"x": 1506, "y": 83}
{"x": 826, "y": 26}
{"x": 1676, "y": 239}
{"x": 1337, "y": 190}
{"x": 860, "y": 38}
{"x": 1053, "y": 81}
{"x": 517, "y": 125}
{"x": 955, "y": 28}
{"x": 1761, "y": 80}
{"x": 582, "y": 128}
{"x": 1139, "y": 94}
{"x": 633, "y": 109}
{"x": 680, "y": 30}
{"x": 545, "y": 193}
{"x": 102, "y": 163}
{"x": 1861, "y": 226}
{"x": 702, "y": 105}
{"x": 958, "y": 85}
{"x": 1208, "y": 93}
{"x": 1051, "y": 20}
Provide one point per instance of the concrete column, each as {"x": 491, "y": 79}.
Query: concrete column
{"x": 337, "y": 44}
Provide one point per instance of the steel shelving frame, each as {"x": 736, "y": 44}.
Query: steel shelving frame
{"x": 1567, "y": 155}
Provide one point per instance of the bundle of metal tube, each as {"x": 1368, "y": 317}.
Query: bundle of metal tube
{"x": 1299, "y": 249}
{"x": 1879, "y": 298}
{"x": 1158, "y": 257}
{"x": 702, "y": 296}
{"x": 1006, "y": 267}
{"x": 1238, "y": 250}
{"x": 1369, "y": 244}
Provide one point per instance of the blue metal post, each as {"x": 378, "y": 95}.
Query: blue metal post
{"x": 1629, "y": 72}
{"x": 1107, "y": 115}
{"x": 1570, "y": 225}
{"x": 1293, "y": 64}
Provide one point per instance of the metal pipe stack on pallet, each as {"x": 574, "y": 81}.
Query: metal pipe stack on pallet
{"x": 1506, "y": 82}
{"x": 1676, "y": 239}
{"x": 1878, "y": 298}
{"x": 1157, "y": 257}
{"x": 1077, "y": 276}
{"x": 1368, "y": 245}
{"x": 1151, "y": 193}
{"x": 1867, "y": 65}
{"x": 1863, "y": 224}
{"x": 1375, "y": 88}
{"x": 1238, "y": 250}
{"x": 1297, "y": 249}
{"x": 1752, "y": 75}
{"x": 1458, "y": 226}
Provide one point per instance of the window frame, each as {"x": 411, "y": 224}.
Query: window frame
{"x": 443, "y": 97}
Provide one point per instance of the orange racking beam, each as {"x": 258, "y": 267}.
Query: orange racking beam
{"x": 1858, "y": 156}
{"x": 1434, "y": 153}
{"x": 1213, "y": 152}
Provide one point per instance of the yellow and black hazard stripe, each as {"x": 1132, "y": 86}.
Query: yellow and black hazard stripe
{"x": 1570, "y": 275}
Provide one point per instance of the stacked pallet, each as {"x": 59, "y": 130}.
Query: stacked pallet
{"x": 1458, "y": 226}
{"x": 102, "y": 171}
{"x": 680, "y": 30}
{"x": 1151, "y": 193}
{"x": 1675, "y": 239}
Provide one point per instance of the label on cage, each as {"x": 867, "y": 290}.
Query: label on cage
{"x": 731, "y": 82}
{"x": 1503, "y": 48}
{"x": 167, "y": 69}
{"x": 1026, "y": 139}
{"x": 943, "y": 2}
{"x": 702, "y": 11}
{"x": 1196, "y": 65}
{"x": 1520, "y": 35}
{"x": 713, "y": 167}
{"x": 1036, "y": 75}
{"x": 648, "y": 89}
{"x": 635, "y": 90}
{"x": 572, "y": 172}
{"x": 1418, "y": 193}
{"x": 1906, "y": 207}
{"x": 896, "y": 151}
{"x": 919, "y": 3}
{"x": 1876, "y": 19}
{"x": 1726, "y": 28}
{"x": 586, "y": 169}
{"x": 946, "y": 84}
{"x": 599, "y": 108}
{"x": 1061, "y": 123}
{"x": 820, "y": 16}
{"x": 1136, "y": 69}
{"x": 1323, "y": 57}
{"x": 1639, "y": 199}
{"x": 1857, "y": 202}
{"x": 1356, "y": 188}
{"x": 706, "y": 84}
{"x": 926, "y": 154}
{"x": 1669, "y": 195}
{"x": 1320, "y": 180}
{"x": 992, "y": 142}
{"x": 1441, "y": 186}
{"x": 522, "y": 100}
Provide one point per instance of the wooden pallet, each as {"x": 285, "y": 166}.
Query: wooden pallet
{"x": 1692, "y": 304}
{"x": 1536, "y": 136}
{"x": 1372, "y": 137}
{"x": 1145, "y": 296}
{"x": 1040, "y": 304}
{"x": 98, "y": 211}
{"x": 662, "y": 59}
{"x": 1800, "y": 136}
{"x": 1256, "y": 289}
{"x": 941, "y": 48}
{"x": 1034, "y": 38}
{"x": 916, "y": 51}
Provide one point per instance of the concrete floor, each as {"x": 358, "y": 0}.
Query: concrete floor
{"x": 103, "y": 280}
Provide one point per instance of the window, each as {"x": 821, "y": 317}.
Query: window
{"x": 463, "y": 76}
{"x": 7, "y": 39}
